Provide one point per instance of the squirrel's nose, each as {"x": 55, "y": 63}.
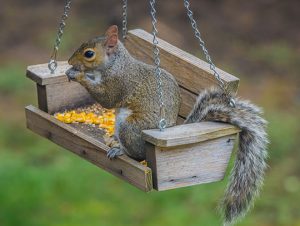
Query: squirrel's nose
{"x": 70, "y": 61}
{"x": 73, "y": 60}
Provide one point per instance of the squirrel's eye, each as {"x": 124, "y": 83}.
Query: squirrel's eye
{"x": 89, "y": 54}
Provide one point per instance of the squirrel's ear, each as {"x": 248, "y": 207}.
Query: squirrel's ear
{"x": 112, "y": 30}
{"x": 112, "y": 37}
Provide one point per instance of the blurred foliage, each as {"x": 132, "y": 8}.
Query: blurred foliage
{"x": 42, "y": 184}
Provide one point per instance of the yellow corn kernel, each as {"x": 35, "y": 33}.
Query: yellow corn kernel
{"x": 80, "y": 119}
{"x": 105, "y": 121}
{"x": 96, "y": 121}
{"x": 74, "y": 117}
{"x": 101, "y": 119}
{"x": 67, "y": 120}
{"x": 90, "y": 115}
{"x": 60, "y": 117}
{"x": 144, "y": 163}
{"x": 111, "y": 122}
{"x": 82, "y": 114}
{"x": 110, "y": 128}
{"x": 88, "y": 121}
{"x": 68, "y": 115}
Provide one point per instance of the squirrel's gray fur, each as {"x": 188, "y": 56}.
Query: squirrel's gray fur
{"x": 117, "y": 80}
{"x": 248, "y": 172}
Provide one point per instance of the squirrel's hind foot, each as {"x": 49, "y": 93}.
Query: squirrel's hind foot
{"x": 114, "y": 152}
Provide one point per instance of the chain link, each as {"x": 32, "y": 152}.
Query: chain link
{"x": 202, "y": 43}
{"x": 124, "y": 22}
{"x": 156, "y": 54}
{"x": 52, "y": 65}
{"x": 205, "y": 51}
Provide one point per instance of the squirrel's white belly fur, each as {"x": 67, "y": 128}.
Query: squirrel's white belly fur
{"x": 94, "y": 78}
{"x": 121, "y": 115}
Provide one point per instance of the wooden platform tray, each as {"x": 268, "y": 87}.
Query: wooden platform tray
{"x": 180, "y": 156}
{"x": 89, "y": 148}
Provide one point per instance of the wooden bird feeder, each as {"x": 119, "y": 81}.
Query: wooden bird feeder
{"x": 180, "y": 156}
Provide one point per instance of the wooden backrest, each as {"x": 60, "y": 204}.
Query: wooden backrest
{"x": 192, "y": 74}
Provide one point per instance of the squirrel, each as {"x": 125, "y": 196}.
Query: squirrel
{"x": 117, "y": 80}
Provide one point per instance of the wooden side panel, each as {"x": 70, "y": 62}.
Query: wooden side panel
{"x": 55, "y": 92}
{"x": 191, "y": 164}
{"x": 66, "y": 95}
{"x": 88, "y": 148}
{"x": 190, "y": 72}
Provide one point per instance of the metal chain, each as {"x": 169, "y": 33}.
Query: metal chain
{"x": 124, "y": 22}
{"x": 162, "y": 122}
{"x": 205, "y": 51}
{"x": 52, "y": 65}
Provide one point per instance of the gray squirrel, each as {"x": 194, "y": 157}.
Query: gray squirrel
{"x": 117, "y": 80}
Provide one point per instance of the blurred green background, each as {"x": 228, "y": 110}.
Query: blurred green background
{"x": 42, "y": 184}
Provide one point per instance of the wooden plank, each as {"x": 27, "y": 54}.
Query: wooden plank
{"x": 191, "y": 72}
{"x": 191, "y": 164}
{"x": 88, "y": 148}
{"x": 188, "y": 100}
{"x": 65, "y": 96}
{"x": 180, "y": 120}
{"x": 150, "y": 150}
{"x": 188, "y": 133}
{"x": 42, "y": 97}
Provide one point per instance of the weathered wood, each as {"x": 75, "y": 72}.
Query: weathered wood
{"x": 188, "y": 133}
{"x": 42, "y": 97}
{"x": 191, "y": 164}
{"x": 150, "y": 150}
{"x": 66, "y": 95}
{"x": 62, "y": 96}
{"x": 190, "y": 72}
{"x": 188, "y": 100}
{"x": 40, "y": 73}
{"x": 88, "y": 148}
{"x": 180, "y": 120}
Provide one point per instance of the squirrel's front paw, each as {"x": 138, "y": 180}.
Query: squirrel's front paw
{"x": 73, "y": 73}
{"x": 114, "y": 152}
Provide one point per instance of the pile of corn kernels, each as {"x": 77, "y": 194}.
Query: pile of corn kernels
{"x": 93, "y": 115}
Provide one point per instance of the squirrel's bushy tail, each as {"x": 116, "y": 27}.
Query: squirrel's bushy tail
{"x": 248, "y": 172}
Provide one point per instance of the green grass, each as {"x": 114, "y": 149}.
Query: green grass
{"x": 11, "y": 80}
{"x": 42, "y": 184}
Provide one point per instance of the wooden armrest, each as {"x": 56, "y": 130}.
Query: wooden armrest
{"x": 188, "y": 133}
{"x": 41, "y": 74}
